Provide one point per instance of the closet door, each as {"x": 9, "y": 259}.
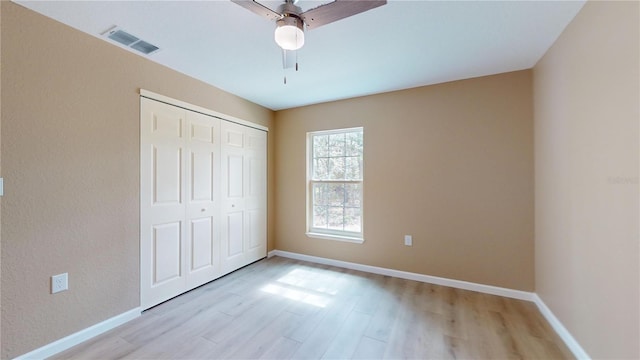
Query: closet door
{"x": 233, "y": 190}
{"x": 202, "y": 215}
{"x": 179, "y": 192}
{"x": 255, "y": 200}
{"x": 162, "y": 202}
{"x": 244, "y": 195}
{"x": 202, "y": 199}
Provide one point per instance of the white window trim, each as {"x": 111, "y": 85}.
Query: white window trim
{"x": 325, "y": 234}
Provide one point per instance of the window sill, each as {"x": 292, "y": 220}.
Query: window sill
{"x": 335, "y": 237}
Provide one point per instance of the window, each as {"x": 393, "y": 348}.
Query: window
{"x": 335, "y": 181}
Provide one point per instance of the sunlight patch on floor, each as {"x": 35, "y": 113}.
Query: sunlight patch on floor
{"x": 305, "y": 286}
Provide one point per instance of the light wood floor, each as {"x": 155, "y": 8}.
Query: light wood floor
{"x": 286, "y": 309}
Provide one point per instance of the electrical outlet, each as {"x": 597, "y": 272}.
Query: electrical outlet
{"x": 408, "y": 240}
{"x": 59, "y": 283}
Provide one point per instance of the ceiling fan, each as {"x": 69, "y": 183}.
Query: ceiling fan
{"x": 291, "y": 20}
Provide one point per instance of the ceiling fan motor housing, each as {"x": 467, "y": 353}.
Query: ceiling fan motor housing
{"x": 289, "y": 8}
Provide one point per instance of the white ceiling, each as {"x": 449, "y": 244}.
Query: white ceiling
{"x": 400, "y": 45}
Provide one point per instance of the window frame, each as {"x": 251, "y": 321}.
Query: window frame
{"x": 323, "y": 233}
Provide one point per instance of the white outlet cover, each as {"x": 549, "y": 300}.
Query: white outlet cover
{"x": 408, "y": 240}
{"x": 59, "y": 283}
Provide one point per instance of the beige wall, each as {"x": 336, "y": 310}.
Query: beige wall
{"x": 586, "y": 91}
{"x": 450, "y": 164}
{"x": 70, "y": 146}
{"x": 0, "y": 176}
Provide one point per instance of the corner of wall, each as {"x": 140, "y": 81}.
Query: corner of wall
{"x": 586, "y": 144}
{"x": 1, "y": 173}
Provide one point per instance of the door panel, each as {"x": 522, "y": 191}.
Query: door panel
{"x": 201, "y": 175}
{"x": 256, "y": 140}
{"x": 167, "y": 123}
{"x": 255, "y": 178}
{"x": 166, "y": 252}
{"x": 233, "y": 234}
{"x": 236, "y": 233}
{"x": 256, "y": 235}
{"x": 234, "y": 136}
{"x": 235, "y": 173}
{"x": 203, "y": 132}
{"x": 201, "y": 244}
{"x": 167, "y": 174}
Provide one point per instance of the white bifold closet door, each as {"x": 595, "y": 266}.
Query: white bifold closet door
{"x": 203, "y": 191}
{"x": 244, "y": 191}
{"x": 179, "y": 194}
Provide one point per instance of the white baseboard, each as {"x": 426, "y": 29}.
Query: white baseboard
{"x": 564, "y": 334}
{"x": 82, "y": 335}
{"x": 458, "y": 284}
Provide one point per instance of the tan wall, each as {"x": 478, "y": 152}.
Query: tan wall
{"x": 586, "y": 91}
{"x": 450, "y": 164}
{"x": 0, "y": 176}
{"x": 70, "y": 145}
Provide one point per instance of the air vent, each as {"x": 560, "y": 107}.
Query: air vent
{"x": 122, "y": 37}
{"x": 144, "y": 47}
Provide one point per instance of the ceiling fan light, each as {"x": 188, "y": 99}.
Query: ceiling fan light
{"x": 289, "y": 33}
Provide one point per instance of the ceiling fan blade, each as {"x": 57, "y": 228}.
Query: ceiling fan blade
{"x": 258, "y": 8}
{"x": 334, "y": 11}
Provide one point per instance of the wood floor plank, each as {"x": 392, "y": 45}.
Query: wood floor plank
{"x": 287, "y": 309}
{"x": 282, "y": 348}
{"x": 416, "y": 332}
{"x": 245, "y": 324}
{"x": 348, "y": 336}
{"x": 258, "y": 344}
{"x": 372, "y": 293}
{"x": 102, "y": 347}
{"x": 386, "y": 313}
{"x": 320, "y": 338}
{"x": 369, "y": 348}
